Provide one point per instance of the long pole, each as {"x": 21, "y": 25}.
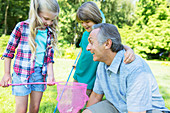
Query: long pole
{"x": 66, "y": 83}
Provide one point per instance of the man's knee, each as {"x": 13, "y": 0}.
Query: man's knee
{"x": 86, "y": 111}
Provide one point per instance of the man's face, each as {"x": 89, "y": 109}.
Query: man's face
{"x": 94, "y": 47}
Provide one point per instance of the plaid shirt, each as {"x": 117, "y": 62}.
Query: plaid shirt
{"x": 19, "y": 39}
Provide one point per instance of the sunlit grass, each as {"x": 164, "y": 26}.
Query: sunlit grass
{"x": 62, "y": 68}
{"x": 161, "y": 70}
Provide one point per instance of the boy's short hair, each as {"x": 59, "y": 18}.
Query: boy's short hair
{"x": 89, "y": 11}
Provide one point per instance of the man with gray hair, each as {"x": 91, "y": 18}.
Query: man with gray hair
{"x": 128, "y": 88}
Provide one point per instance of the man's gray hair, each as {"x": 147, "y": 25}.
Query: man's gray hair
{"x": 109, "y": 31}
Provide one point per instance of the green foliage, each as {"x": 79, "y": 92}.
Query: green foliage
{"x": 69, "y": 28}
{"x": 146, "y": 8}
{"x": 17, "y": 11}
{"x": 152, "y": 38}
{"x": 68, "y": 51}
{"x": 3, "y": 43}
{"x": 70, "y": 31}
{"x": 118, "y": 12}
{"x": 149, "y": 36}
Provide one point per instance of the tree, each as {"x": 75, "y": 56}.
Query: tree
{"x": 6, "y": 12}
{"x": 118, "y": 12}
{"x": 150, "y": 34}
{"x": 14, "y": 11}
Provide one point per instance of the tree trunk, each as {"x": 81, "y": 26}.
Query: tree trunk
{"x": 6, "y": 16}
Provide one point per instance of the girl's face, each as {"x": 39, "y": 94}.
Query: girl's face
{"x": 47, "y": 17}
{"x": 87, "y": 25}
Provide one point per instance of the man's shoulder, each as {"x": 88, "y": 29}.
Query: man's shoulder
{"x": 138, "y": 64}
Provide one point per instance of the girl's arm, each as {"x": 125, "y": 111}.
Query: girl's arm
{"x": 9, "y": 54}
{"x": 7, "y": 74}
{"x": 50, "y": 73}
{"x": 129, "y": 55}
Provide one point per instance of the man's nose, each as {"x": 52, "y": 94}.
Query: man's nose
{"x": 88, "y": 47}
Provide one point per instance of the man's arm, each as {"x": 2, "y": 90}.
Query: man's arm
{"x": 94, "y": 98}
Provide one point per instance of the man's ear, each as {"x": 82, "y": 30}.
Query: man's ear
{"x": 108, "y": 44}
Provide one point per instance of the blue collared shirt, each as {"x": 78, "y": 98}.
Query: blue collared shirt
{"x": 129, "y": 87}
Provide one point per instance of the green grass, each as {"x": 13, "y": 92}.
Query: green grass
{"x": 62, "y": 68}
{"x": 161, "y": 70}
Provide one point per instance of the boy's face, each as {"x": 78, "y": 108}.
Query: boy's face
{"x": 94, "y": 47}
{"x": 87, "y": 25}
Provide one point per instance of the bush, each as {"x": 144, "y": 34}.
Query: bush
{"x": 68, "y": 51}
{"x": 3, "y": 43}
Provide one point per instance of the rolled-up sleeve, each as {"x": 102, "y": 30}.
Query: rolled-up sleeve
{"x": 13, "y": 42}
{"x": 50, "y": 55}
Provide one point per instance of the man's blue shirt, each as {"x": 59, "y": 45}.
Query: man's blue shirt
{"x": 129, "y": 87}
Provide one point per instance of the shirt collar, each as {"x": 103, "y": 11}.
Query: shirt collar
{"x": 114, "y": 67}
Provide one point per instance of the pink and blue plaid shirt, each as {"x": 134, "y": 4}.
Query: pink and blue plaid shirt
{"x": 19, "y": 40}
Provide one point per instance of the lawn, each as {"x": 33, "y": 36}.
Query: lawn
{"x": 62, "y": 68}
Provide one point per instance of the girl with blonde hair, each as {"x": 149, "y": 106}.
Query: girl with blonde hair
{"x": 35, "y": 40}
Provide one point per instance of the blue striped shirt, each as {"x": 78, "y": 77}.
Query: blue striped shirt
{"x": 129, "y": 87}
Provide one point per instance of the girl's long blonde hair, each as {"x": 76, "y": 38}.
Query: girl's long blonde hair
{"x": 37, "y": 6}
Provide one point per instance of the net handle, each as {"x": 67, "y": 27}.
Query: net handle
{"x": 31, "y": 83}
{"x": 66, "y": 82}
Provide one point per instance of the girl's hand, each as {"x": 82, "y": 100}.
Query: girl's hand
{"x": 129, "y": 56}
{"x": 6, "y": 78}
{"x": 50, "y": 80}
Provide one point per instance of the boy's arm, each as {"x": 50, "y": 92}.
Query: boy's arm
{"x": 129, "y": 55}
{"x": 7, "y": 74}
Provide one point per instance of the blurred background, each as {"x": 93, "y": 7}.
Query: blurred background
{"x": 144, "y": 26}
